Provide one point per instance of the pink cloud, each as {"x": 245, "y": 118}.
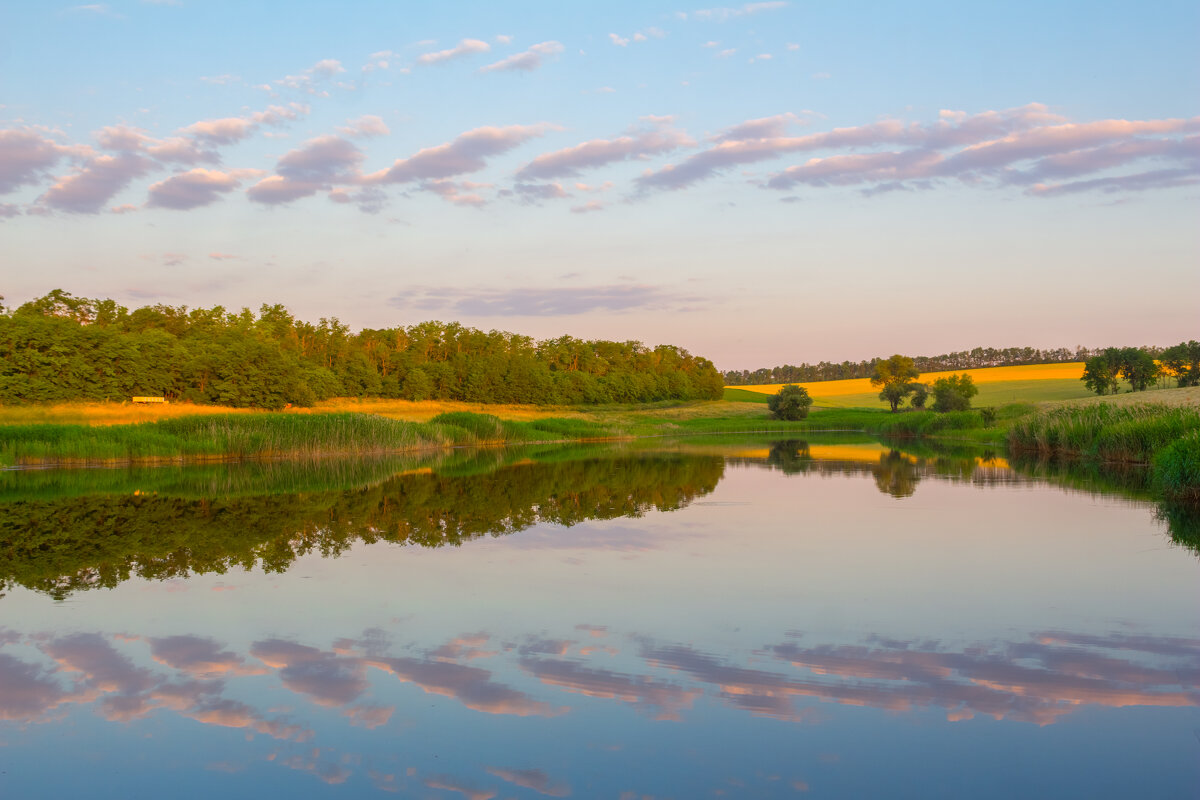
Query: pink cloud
{"x": 526, "y": 61}
{"x": 468, "y": 152}
{"x": 26, "y": 156}
{"x": 90, "y": 188}
{"x": 194, "y": 188}
{"x": 463, "y": 48}
{"x": 569, "y": 161}
{"x": 317, "y": 164}
{"x": 365, "y": 126}
{"x": 1022, "y": 145}
{"x": 228, "y": 130}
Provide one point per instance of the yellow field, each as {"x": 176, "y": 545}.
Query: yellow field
{"x": 425, "y": 410}
{"x": 128, "y": 413}
{"x": 1073, "y": 371}
{"x": 997, "y": 385}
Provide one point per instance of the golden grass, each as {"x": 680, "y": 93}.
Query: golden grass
{"x": 128, "y": 413}
{"x": 425, "y": 410}
{"x": 1072, "y": 371}
{"x": 107, "y": 413}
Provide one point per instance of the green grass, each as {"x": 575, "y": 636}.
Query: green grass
{"x": 1132, "y": 433}
{"x": 743, "y": 396}
{"x": 263, "y": 436}
{"x": 1167, "y": 437}
{"x": 1177, "y": 468}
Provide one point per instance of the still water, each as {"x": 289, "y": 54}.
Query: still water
{"x": 721, "y": 618}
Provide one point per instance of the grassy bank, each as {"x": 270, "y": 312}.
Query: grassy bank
{"x": 267, "y": 436}
{"x": 1164, "y": 436}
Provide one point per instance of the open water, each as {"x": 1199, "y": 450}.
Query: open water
{"x": 710, "y": 618}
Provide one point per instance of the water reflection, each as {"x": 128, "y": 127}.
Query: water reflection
{"x": 1038, "y": 679}
{"x": 63, "y": 531}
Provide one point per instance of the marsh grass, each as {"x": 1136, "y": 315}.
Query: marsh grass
{"x": 1177, "y": 469}
{"x": 1105, "y": 431}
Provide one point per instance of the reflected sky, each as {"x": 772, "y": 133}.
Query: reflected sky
{"x": 790, "y": 630}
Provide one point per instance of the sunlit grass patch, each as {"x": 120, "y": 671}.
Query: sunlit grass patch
{"x": 425, "y": 410}
{"x": 107, "y": 413}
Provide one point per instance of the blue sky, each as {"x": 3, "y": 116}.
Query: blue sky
{"x": 760, "y": 183}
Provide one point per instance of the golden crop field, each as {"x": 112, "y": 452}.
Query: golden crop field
{"x": 100, "y": 413}
{"x": 997, "y": 386}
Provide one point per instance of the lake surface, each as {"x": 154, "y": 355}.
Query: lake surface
{"x": 829, "y": 618}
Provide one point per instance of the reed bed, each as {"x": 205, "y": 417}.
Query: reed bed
{"x": 1177, "y": 469}
{"x": 214, "y": 438}
{"x": 270, "y": 435}
{"x": 1103, "y": 431}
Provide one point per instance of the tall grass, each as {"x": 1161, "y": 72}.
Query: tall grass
{"x": 1131, "y": 433}
{"x": 271, "y": 435}
{"x": 1177, "y": 468}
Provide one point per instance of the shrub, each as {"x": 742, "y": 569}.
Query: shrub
{"x": 953, "y": 393}
{"x": 790, "y": 403}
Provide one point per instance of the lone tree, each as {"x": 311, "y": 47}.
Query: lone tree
{"x": 894, "y": 376}
{"x": 953, "y": 393}
{"x": 1100, "y": 375}
{"x": 790, "y": 403}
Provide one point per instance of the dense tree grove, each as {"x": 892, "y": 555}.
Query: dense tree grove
{"x": 966, "y": 359}
{"x": 61, "y": 347}
{"x": 1103, "y": 373}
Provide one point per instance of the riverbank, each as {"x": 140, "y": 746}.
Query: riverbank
{"x": 1164, "y": 436}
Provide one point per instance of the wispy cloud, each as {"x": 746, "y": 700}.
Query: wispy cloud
{"x": 465, "y": 47}
{"x": 570, "y": 161}
{"x": 195, "y": 188}
{"x": 467, "y": 153}
{"x": 541, "y": 302}
{"x": 526, "y": 61}
{"x": 725, "y": 13}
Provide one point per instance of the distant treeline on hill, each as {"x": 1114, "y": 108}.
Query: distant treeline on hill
{"x": 60, "y": 347}
{"x": 966, "y": 359}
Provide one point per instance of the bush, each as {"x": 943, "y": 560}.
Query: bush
{"x": 953, "y": 393}
{"x": 790, "y": 403}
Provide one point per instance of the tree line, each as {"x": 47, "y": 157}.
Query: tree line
{"x": 1103, "y": 373}
{"x": 948, "y": 362}
{"x": 61, "y": 348}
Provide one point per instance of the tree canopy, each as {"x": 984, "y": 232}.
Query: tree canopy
{"x": 60, "y": 347}
{"x": 1103, "y": 373}
{"x": 790, "y": 403}
{"x": 953, "y": 393}
{"x": 894, "y": 376}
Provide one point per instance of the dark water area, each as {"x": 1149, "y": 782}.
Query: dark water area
{"x": 833, "y": 617}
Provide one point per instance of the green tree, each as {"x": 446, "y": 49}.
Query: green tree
{"x": 953, "y": 393}
{"x": 1138, "y": 367}
{"x": 790, "y": 403}
{"x": 894, "y": 376}
{"x": 920, "y": 395}
{"x": 1100, "y": 375}
{"x": 1182, "y": 362}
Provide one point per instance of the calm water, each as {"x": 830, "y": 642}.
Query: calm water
{"x": 828, "y": 618}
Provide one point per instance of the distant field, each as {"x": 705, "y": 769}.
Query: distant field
{"x": 997, "y": 386}
{"x": 128, "y": 413}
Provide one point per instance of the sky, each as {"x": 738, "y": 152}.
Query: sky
{"x": 762, "y": 183}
